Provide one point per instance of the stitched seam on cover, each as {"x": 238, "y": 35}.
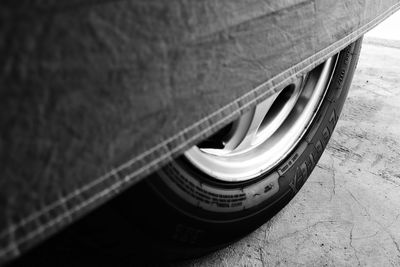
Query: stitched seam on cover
{"x": 342, "y": 42}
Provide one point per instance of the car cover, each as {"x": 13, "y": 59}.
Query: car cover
{"x": 96, "y": 94}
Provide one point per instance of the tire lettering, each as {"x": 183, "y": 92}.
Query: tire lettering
{"x": 286, "y": 166}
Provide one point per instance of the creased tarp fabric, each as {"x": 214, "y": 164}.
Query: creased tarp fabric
{"x": 96, "y": 94}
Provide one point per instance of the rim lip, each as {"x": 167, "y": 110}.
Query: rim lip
{"x": 250, "y": 163}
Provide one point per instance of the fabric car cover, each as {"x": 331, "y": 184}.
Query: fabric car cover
{"x": 96, "y": 94}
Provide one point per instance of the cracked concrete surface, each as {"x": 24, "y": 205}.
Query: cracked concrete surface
{"x": 348, "y": 212}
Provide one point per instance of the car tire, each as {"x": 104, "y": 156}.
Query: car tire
{"x": 184, "y": 212}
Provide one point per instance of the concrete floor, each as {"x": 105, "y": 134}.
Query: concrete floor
{"x": 348, "y": 212}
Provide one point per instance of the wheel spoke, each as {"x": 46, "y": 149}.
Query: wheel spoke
{"x": 274, "y": 121}
{"x": 258, "y": 115}
{"x": 264, "y": 121}
{"x": 262, "y": 137}
{"x": 245, "y": 132}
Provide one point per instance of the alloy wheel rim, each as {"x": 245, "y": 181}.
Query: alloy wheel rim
{"x": 261, "y": 138}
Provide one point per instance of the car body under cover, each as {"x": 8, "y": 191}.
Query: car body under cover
{"x": 95, "y": 95}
